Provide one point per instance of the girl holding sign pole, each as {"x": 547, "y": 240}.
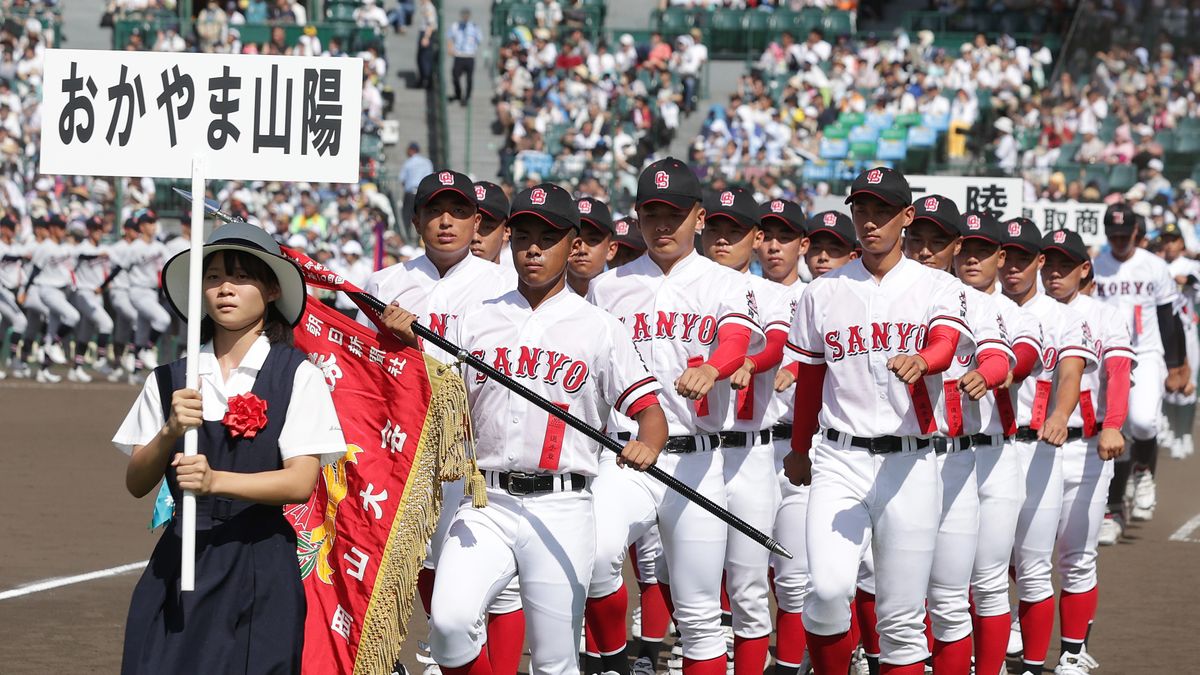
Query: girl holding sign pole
{"x": 266, "y": 422}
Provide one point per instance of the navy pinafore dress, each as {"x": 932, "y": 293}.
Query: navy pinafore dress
{"x": 246, "y": 614}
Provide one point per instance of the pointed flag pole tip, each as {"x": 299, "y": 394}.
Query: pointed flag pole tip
{"x": 212, "y": 206}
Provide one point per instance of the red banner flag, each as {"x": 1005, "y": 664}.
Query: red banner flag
{"x": 362, "y": 534}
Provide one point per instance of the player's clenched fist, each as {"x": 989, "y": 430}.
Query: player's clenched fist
{"x": 744, "y": 375}
{"x": 193, "y": 473}
{"x": 695, "y": 383}
{"x": 400, "y": 321}
{"x": 186, "y": 412}
{"x": 637, "y": 455}
{"x": 784, "y": 379}
{"x": 972, "y": 384}
{"x": 908, "y": 367}
{"x": 798, "y": 468}
{"x": 1054, "y": 430}
{"x": 1111, "y": 444}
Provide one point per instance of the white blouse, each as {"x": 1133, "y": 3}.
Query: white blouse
{"x": 311, "y": 427}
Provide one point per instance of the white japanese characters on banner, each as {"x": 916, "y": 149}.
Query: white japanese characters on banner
{"x": 117, "y": 113}
{"x": 1002, "y": 197}
{"x": 1086, "y": 218}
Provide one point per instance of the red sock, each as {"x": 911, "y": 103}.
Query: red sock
{"x": 750, "y": 654}
{"x": 654, "y": 613}
{"x": 724, "y": 596}
{"x": 789, "y": 638}
{"x": 917, "y": 668}
{"x": 713, "y": 666}
{"x": 1037, "y": 622}
{"x": 830, "y": 653}
{"x": 953, "y": 658}
{"x": 589, "y": 641}
{"x": 506, "y": 637}
{"x": 425, "y": 588}
{"x": 606, "y": 616}
{"x": 477, "y": 666}
{"x": 1075, "y": 612}
{"x": 855, "y": 630}
{"x": 928, "y": 631}
{"x": 666, "y": 593}
{"x": 991, "y": 642}
{"x": 864, "y": 606}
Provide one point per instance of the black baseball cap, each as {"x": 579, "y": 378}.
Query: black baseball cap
{"x": 186, "y": 217}
{"x": 547, "y": 201}
{"x": 669, "y": 181}
{"x": 130, "y": 224}
{"x": 942, "y": 211}
{"x": 1067, "y": 242}
{"x": 596, "y": 212}
{"x": 836, "y": 223}
{"x": 981, "y": 225}
{"x": 626, "y": 233}
{"x": 884, "y": 183}
{"x": 1022, "y": 233}
{"x": 147, "y": 216}
{"x": 490, "y": 199}
{"x": 442, "y": 181}
{"x": 736, "y": 204}
{"x": 39, "y": 221}
{"x": 8, "y": 221}
{"x": 56, "y": 219}
{"x": 1119, "y": 220}
{"x": 94, "y": 223}
{"x": 1170, "y": 230}
{"x": 785, "y": 210}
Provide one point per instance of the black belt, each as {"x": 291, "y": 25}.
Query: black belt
{"x": 782, "y": 431}
{"x": 518, "y": 483}
{"x": 943, "y": 444}
{"x": 740, "y": 439}
{"x": 680, "y": 445}
{"x": 1029, "y": 434}
{"x": 879, "y": 445}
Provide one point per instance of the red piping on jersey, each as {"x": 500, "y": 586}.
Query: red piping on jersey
{"x": 993, "y": 366}
{"x": 631, "y": 389}
{"x": 642, "y": 403}
{"x": 1116, "y": 392}
{"x": 939, "y": 349}
{"x": 1027, "y": 357}
{"x": 732, "y": 342}
{"x": 771, "y": 354}
{"x": 810, "y": 383}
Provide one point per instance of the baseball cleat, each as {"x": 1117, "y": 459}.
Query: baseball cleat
{"x": 642, "y": 666}
{"x": 636, "y": 625}
{"x": 148, "y": 357}
{"x": 102, "y": 367}
{"x": 1144, "y": 495}
{"x": 3, "y": 375}
{"x": 77, "y": 374}
{"x": 55, "y": 353}
{"x": 858, "y": 663}
{"x": 1015, "y": 645}
{"x": 1075, "y": 664}
{"x": 1111, "y": 529}
{"x": 128, "y": 360}
{"x": 46, "y": 377}
{"x": 21, "y": 370}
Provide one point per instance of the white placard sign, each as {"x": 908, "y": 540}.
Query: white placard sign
{"x": 1086, "y": 218}
{"x": 1003, "y": 197}
{"x": 117, "y": 113}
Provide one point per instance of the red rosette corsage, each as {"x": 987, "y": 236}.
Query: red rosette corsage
{"x": 245, "y": 416}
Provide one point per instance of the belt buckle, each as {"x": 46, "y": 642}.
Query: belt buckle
{"x": 512, "y": 488}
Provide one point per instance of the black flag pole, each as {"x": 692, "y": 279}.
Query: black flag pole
{"x": 574, "y": 422}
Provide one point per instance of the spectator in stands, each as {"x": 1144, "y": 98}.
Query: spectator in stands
{"x": 427, "y": 25}
{"x": 687, "y": 62}
{"x": 169, "y": 40}
{"x": 257, "y": 11}
{"x": 1156, "y": 183}
{"x": 1091, "y": 150}
{"x": 401, "y": 15}
{"x": 210, "y": 26}
{"x": 659, "y": 56}
{"x": 548, "y": 14}
{"x": 1121, "y": 149}
{"x": 369, "y": 14}
{"x": 416, "y": 167}
{"x": 309, "y": 44}
{"x": 1007, "y": 151}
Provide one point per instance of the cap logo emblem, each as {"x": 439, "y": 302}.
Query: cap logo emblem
{"x": 830, "y": 219}
{"x": 537, "y": 196}
{"x": 623, "y": 228}
{"x": 662, "y": 180}
{"x": 1060, "y": 237}
{"x": 931, "y": 204}
{"x": 480, "y": 192}
{"x": 776, "y": 206}
{"x": 446, "y": 178}
{"x": 1014, "y": 228}
{"x": 1118, "y": 217}
{"x": 874, "y": 177}
{"x": 972, "y": 222}
{"x": 585, "y": 206}
{"x": 727, "y": 198}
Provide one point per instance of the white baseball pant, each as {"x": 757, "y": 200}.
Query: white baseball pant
{"x": 890, "y": 502}
{"x": 91, "y": 308}
{"x": 11, "y": 312}
{"x": 1145, "y": 396}
{"x": 151, "y": 313}
{"x": 34, "y": 304}
{"x": 452, "y": 495}
{"x": 693, "y": 541}
{"x": 126, "y": 315}
{"x": 954, "y": 553}
{"x": 550, "y": 537}
{"x": 747, "y": 471}
{"x": 59, "y": 309}
{"x": 1085, "y": 491}
{"x": 1037, "y": 523}
{"x": 1001, "y": 492}
{"x": 791, "y": 576}
{"x": 648, "y": 558}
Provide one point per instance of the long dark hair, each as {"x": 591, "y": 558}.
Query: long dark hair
{"x": 275, "y": 327}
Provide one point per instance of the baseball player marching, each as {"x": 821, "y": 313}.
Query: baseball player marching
{"x": 863, "y": 440}
{"x": 539, "y": 518}
{"x": 52, "y": 280}
{"x": 692, "y": 321}
{"x": 144, "y": 261}
{"x": 1087, "y": 466}
{"x": 1179, "y": 407}
{"x": 13, "y": 256}
{"x": 491, "y": 235}
{"x": 91, "y": 269}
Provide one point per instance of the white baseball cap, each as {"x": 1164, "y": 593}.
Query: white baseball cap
{"x": 352, "y": 248}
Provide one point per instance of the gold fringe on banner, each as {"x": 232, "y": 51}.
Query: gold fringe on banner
{"x": 444, "y": 449}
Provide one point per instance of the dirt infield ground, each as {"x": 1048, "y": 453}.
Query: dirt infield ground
{"x": 65, "y": 512}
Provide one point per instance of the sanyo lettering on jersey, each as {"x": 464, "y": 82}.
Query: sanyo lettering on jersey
{"x": 531, "y": 365}
{"x": 853, "y": 341}
{"x": 684, "y": 326}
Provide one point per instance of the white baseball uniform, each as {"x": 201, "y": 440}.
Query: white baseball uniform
{"x": 12, "y": 274}
{"x": 575, "y": 355}
{"x": 889, "y": 499}
{"x": 54, "y": 281}
{"x": 673, "y": 319}
{"x": 118, "y": 288}
{"x": 1136, "y": 288}
{"x": 1065, "y": 334}
{"x": 91, "y": 269}
{"x": 143, "y": 262}
{"x": 1190, "y": 293}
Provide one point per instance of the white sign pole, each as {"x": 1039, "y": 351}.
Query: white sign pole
{"x": 187, "y": 581}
